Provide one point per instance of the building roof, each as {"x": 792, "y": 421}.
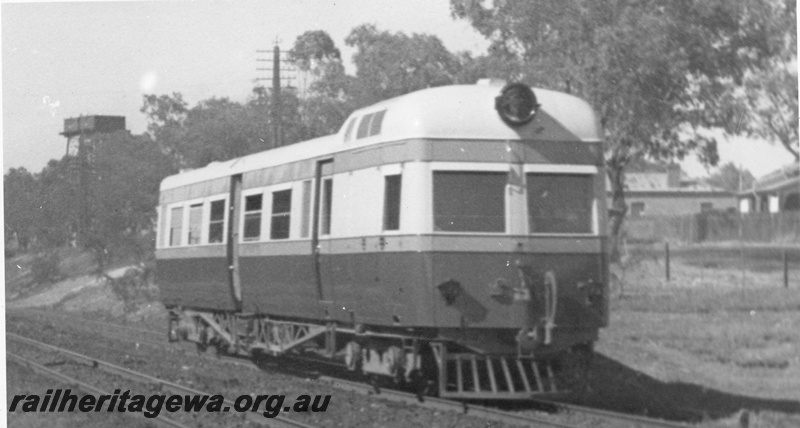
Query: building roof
{"x": 644, "y": 165}
{"x": 646, "y": 176}
{"x": 784, "y": 177}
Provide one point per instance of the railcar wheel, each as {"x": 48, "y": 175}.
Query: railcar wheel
{"x": 375, "y": 381}
{"x": 172, "y": 329}
{"x": 394, "y": 358}
{"x": 422, "y": 385}
{"x": 352, "y": 356}
{"x": 220, "y": 348}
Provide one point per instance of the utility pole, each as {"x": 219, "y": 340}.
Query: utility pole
{"x": 276, "y": 96}
{"x": 277, "y": 80}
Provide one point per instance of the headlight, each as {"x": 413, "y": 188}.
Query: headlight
{"x": 516, "y": 104}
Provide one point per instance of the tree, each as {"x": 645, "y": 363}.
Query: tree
{"x": 126, "y": 174}
{"x": 328, "y": 102}
{"x": 313, "y": 49}
{"x": 121, "y": 185}
{"x": 389, "y": 65}
{"x": 21, "y": 208}
{"x": 58, "y": 201}
{"x": 654, "y": 70}
{"x": 218, "y": 129}
{"x": 766, "y": 103}
{"x": 770, "y": 112}
{"x": 166, "y": 116}
{"x": 731, "y": 178}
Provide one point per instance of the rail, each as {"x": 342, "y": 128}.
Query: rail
{"x": 107, "y": 367}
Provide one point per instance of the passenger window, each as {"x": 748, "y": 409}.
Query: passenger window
{"x": 327, "y": 205}
{"x": 466, "y": 201}
{"x": 195, "y": 223}
{"x": 216, "y": 224}
{"x": 391, "y": 202}
{"x": 252, "y": 217}
{"x": 306, "y": 216}
{"x": 281, "y": 214}
{"x": 560, "y": 203}
{"x": 175, "y": 226}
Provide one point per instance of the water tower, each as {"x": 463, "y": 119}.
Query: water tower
{"x": 83, "y": 135}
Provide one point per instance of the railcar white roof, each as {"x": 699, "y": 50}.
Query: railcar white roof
{"x": 465, "y": 112}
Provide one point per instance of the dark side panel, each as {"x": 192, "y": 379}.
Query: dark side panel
{"x": 374, "y": 288}
{"x": 195, "y": 282}
{"x": 381, "y": 288}
{"x": 395, "y": 288}
{"x": 279, "y": 285}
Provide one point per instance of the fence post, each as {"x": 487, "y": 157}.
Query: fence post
{"x": 741, "y": 252}
{"x": 785, "y": 269}
{"x": 666, "y": 258}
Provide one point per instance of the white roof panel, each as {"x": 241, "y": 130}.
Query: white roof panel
{"x": 446, "y": 112}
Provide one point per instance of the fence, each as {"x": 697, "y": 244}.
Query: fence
{"x": 783, "y": 228}
{"x": 707, "y": 278}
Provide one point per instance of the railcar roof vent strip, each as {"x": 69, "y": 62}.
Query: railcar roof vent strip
{"x": 370, "y": 124}
{"x": 348, "y": 134}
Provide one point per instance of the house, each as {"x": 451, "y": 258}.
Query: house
{"x": 778, "y": 191}
{"x": 654, "y": 189}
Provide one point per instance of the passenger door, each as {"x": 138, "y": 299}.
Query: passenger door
{"x": 321, "y": 245}
{"x": 233, "y": 239}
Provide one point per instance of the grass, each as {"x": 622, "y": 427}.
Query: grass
{"x": 735, "y": 323}
{"x": 707, "y": 282}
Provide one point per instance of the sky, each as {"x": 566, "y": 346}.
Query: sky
{"x": 65, "y": 59}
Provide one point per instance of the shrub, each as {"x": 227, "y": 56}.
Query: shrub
{"x": 134, "y": 287}
{"x": 44, "y": 267}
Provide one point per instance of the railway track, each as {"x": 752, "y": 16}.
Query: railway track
{"x": 103, "y": 326}
{"x": 132, "y": 375}
{"x": 447, "y": 405}
{"x": 613, "y": 419}
{"x": 80, "y": 386}
{"x": 594, "y": 415}
{"x": 615, "y": 416}
{"x": 138, "y": 336}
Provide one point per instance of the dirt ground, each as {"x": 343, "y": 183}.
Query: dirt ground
{"x": 22, "y": 380}
{"x": 703, "y": 348}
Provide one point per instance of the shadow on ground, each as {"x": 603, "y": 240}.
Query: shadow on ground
{"x": 620, "y": 388}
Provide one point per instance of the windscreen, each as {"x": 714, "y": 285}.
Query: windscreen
{"x": 560, "y": 203}
{"x": 469, "y": 201}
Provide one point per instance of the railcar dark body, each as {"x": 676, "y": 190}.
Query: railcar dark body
{"x": 389, "y": 288}
{"x": 392, "y": 283}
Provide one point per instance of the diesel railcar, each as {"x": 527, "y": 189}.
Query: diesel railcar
{"x": 453, "y": 237}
